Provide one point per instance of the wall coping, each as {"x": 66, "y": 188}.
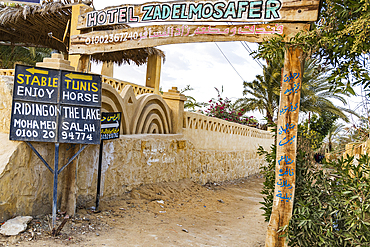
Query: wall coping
{"x": 194, "y": 120}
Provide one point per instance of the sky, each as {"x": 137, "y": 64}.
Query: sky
{"x": 200, "y": 65}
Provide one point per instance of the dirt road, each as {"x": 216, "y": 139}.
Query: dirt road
{"x": 165, "y": 214}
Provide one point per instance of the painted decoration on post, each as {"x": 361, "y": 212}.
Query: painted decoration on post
{"x": 286, "y": 150}
{"x": 287, "y": 134}
{"x": 55, "y": 106}
{"x": 211, "y": 10}
{"x": 110, "y": 125}
{"x": 150, "y": 36}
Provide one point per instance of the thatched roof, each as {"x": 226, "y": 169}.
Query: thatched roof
{"x": 45, "y": 25}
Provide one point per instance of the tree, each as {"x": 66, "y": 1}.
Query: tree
{"x": 331, "y": 202}
{"x": 334, "y": 131}
{"x": 343, "y": 40}
{"x": 317, "y": 128}
{"x": 316, "y": 93}
{"x": 265, "y": 90}
{"x": 11, "y": 55}
{"x": 191, "y": 103}
{"x": 224, "y": 108}
{"x": 339, "y": 40}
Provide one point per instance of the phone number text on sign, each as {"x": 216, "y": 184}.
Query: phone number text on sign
{"x": 156, "y": 32}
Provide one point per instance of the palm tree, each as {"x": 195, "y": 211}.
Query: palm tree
{"x": 191, "y": 103}
{"x": 265, "y": 90}
{"x": 334, "y": 131}
{"x": 11, "y": 55}
{"x": 316, "y": 93}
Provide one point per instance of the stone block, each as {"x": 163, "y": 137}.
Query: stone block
{"x": 15, "y": 226}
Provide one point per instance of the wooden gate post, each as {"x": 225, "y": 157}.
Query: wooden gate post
{"x": 153, "y": 72}
{"x": 80, "y": 62}
{"x": 285, "y": 170}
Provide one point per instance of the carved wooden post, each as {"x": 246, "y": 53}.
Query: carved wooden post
{"x": 153, "y": 72}
{"x": 286, "y": 147}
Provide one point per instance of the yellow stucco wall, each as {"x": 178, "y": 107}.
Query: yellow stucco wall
{"x": 223, "y": 152}
{"x": 6, "y": 90}
{"x": 357, "y": 148}
{"x": 132, "y": 160}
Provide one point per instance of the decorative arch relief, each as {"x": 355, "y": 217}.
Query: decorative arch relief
{"x": 144, "y": 114}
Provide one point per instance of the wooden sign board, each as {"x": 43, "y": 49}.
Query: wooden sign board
{"x": 150, "y": 36}
{"x": 203, "y": 11}
{"x": 55, "y": 106}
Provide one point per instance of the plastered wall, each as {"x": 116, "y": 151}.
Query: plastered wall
{"x": 132, "y": 160}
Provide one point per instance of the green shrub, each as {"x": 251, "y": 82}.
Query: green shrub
{"x": 332, "y": 202}
{"x": 268, "y": 172}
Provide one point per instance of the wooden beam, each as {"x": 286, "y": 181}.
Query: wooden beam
{"x": 285, "y": 170}
{"x": 204, "y": 11}
{"x": 66, "y": 31}
{"x": 150, "y": 36}
{"x": 153, "y": 72}
{"x": 76, "y": 60}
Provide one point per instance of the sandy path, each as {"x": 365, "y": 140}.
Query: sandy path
{"x": 166, "y": 214}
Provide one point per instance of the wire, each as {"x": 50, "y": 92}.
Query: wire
{"x": 229, "y": 61}
{"x": 249, "y": 50}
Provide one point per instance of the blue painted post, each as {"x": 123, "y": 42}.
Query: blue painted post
{"x": 99, "y": 176}
{"x": 55, "y": 190}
